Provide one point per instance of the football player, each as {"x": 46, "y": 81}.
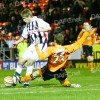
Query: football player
{"x": 38, "y": 30}
{"x": 87, "y": 45}
{"x": 57, "y": 60}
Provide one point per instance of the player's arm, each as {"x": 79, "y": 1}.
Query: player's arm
{"x": 94, "y": 39}
{"x": 73, "y": 47}
{"x": 80, "y": 34}
{"x": 93, "y": 32}
{"x": 44, "y": 55}
{"x": 24, "y": 35}
{"x": 97, "y": 41}
{"x": 43, "y": 26}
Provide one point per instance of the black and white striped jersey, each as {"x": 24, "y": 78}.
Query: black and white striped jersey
{"x": 35, "y": 36}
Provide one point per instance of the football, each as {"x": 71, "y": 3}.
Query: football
{"x": 8, "y": 81}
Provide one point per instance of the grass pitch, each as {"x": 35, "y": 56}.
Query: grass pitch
{"x": 52, "y": 90}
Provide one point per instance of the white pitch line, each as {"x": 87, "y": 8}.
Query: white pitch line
{"x": 94, "y": 85}
{"x": 54, "y": 91}
{"x": 43, "y": 91}
{"x": 41, "y": 87}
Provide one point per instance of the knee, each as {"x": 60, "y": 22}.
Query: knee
{"x": 90, "y": 58}
{"x": 30, "y": 62}
{"x": 21, "y": 62}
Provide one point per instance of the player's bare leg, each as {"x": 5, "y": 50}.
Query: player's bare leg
{"x": 90, "y": 63}
{"x": 18, "y": 71}
{"x": 29, "y": 69}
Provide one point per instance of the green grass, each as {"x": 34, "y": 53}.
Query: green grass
{"x": 52, "y": 90}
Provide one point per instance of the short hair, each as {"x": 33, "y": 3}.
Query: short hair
{"x": 86, "y": 24}
{"x": 26, "y": 13}
{"x": 59, "y": 38}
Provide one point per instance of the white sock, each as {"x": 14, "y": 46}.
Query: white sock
{"x": 36, "y": 74}
{"x": 19, "y": 69}
{"x": 29, "y": 70}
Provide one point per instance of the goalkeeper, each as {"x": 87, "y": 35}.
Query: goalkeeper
{"x": 87, "y": 45}
{"x": 57, "y": 60}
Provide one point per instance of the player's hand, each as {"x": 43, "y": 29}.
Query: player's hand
{"x": 15, "y": 43}
{"x": 98, "y": 42}
{"x": 95, "y": 29}
{"x": 51, "y": 44}
{"x": 14, "y": 46}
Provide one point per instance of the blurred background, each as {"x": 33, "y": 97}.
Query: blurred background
{"x": 64, "y": 16}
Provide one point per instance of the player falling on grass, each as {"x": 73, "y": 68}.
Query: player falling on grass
{"x": 37, "y": 29}
{"x": 57, "y": 60}
{"x": 87, "y": 45}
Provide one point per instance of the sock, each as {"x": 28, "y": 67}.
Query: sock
{"x": 36, "y": 74}
{"x": 17, "y": 75}
{"x": 19, "y": 69}
{"x": 90, "y": 64}
{"x": 29, "y": 70}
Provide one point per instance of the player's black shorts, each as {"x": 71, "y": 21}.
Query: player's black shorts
{"x": 59, "y": 74}
{"x": 87, "y": 50}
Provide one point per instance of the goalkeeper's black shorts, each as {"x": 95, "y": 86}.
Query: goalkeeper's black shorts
{"x": 87, "y": 50}
{"x": 47, "y": 74}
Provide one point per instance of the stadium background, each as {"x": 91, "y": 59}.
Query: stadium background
{"x": 75, "y": 60}
{"x": 51, "y": 90}
{"x": 62, "y": 15}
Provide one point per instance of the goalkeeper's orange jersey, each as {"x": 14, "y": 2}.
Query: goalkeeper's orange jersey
{"x": 58, "y": 55}
{"x": 91, "y": 39}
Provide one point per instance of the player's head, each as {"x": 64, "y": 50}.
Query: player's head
{"x": 87, "y": 26}
{"x": 59, "y": 38}
{"x": 26, "y": 14}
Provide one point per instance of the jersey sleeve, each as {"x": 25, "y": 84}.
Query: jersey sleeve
{"x": 25, "y": 33}
{"x": 80, "y": 34}
{"x": 45, "y": 54}
{"x": 42, "y": 24}
{"x": 73, "y": 47}
{"x": 93, "y": 32}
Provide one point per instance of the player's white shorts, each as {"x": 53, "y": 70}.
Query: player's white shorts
{"x": 31, "y": 53}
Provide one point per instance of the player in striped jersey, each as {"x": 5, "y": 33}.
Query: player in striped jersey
{"x": 37, "y": 29}
{"x": 57, "y": 60}
{"x": 87, "y": 45}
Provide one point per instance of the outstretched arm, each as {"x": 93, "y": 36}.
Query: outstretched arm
{"x": 80, "y": 34}
{"x": 94, "y": 35}
{"x": 44, "y": 55}
{"x": 73, "y": 47}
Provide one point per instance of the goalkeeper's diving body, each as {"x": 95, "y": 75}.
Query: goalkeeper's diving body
{"x": 57, "y": 55}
